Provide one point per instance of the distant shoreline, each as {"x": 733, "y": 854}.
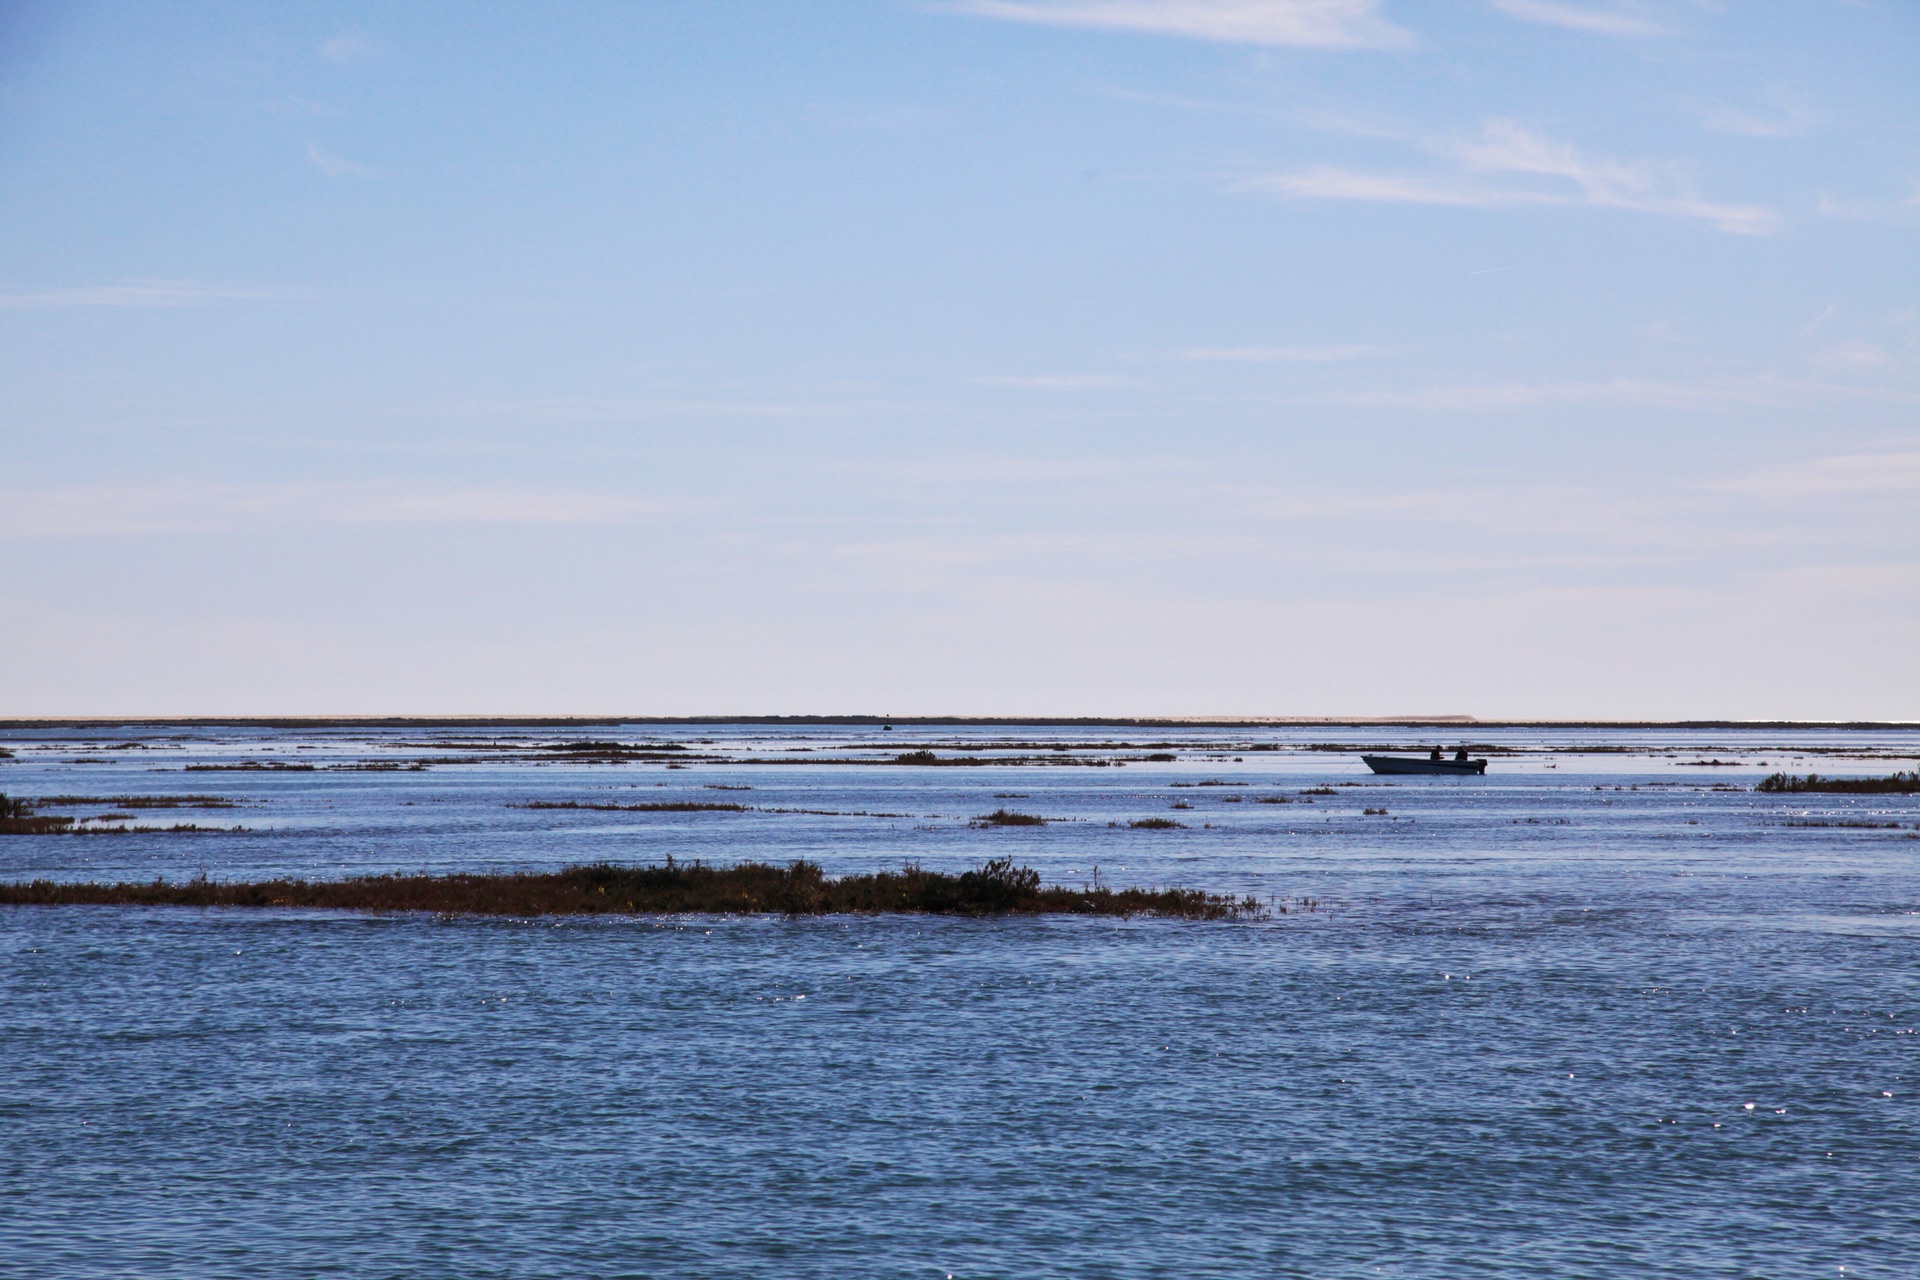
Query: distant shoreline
{"x": 1063, "y": 722}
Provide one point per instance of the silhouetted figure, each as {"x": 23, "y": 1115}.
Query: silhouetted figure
{"x": 1461, "y": 755}
{"x": 1435, "y": 755}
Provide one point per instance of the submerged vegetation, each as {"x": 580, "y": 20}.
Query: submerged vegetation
{"x": 801, "y": 888}
{"x": 1903, "y": 784}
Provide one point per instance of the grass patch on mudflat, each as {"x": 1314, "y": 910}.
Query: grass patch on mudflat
{"x": 997, "y": 888}
{"x": 1898, "y": 784}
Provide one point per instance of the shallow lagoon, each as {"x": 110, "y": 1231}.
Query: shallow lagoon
{"x": 1499, "y": 1042}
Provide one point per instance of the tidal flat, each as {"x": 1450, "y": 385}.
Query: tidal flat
{"x": 1602, "y": 1011}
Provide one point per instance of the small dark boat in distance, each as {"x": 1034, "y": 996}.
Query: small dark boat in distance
{"x": 1434, "y": 763}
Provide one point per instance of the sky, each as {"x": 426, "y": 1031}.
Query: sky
{"x": 1508, "y": 358}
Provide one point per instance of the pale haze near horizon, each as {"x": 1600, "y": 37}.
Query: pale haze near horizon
{"x": 1062, "y": 357}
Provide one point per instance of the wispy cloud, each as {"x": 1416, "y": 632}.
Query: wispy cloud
{"x": 1286, "y": 355}
{"x": 574, "y": 409}
{"x": 1331, "y": 182}
{"x": 945, "y": 470}
{"x": 334, "y": 166}
{"x": 1506, "y": 147}
{"x": 1311, "y": 24}
{"x": 895, "y": 118}
{"x": 1673, "y": 395}
{"x": 1055, "y": 381}
{"x": 580, "y": 409}
{"x": 1601, "y": 22}
{"x": 1509, "y": 165}
{"x": 302, "y": 108}
{"x": 1787, "y": 119}
{"x": 1844, "y": 475}
{"x": 351, "y": 47}
{"x": 1820, "y": 319}
{"x": 145, "y": 294}
{"x": 1896, "y": 210}
{"x": 1851, "y": 356}
{"x": 195, "y": 507}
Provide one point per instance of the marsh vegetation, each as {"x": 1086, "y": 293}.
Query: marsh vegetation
{"x": 19, "y": 817}
{"x": 995, "y": 888}
{"x": 1009, "y": 818}
{"x": 1904, "y": 784}
{"x": 656, "y": 806}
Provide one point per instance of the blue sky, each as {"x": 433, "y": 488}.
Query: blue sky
{"x": 1253, "y": 357}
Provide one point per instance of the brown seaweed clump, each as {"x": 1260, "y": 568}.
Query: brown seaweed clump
{"x": 996, "y": 888}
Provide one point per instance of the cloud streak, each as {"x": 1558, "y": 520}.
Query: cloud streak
{"x": 1789, "y": 120}
{"x": 351, "y": 47}
{"x": 1509, "y": 165}
{"x": 335, "y": 166}
{"x": 1842, "y": 476}
{"x": 1286, "y": 355}
{"x": 1600, "y": 22}
{"x": 1306, "y": 24}
{"x": 1055, "y": 382}
{"x": 1854, "y": 355}
{"x": 1671, "y": 395}
{"x": 195, "y": 507}
{"x": 144, "y": 294}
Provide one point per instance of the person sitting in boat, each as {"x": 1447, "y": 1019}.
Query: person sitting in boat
{"x": 1435, "y": 754}
{"x": 1461, "y": 755}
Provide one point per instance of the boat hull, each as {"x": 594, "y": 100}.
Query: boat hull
{"x": 1418, "y": 764}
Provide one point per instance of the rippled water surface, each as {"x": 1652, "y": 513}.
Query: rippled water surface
{"x": 1603, "y": 1012}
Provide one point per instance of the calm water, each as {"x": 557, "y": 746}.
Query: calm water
{"x": 1605, "y": 1012}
